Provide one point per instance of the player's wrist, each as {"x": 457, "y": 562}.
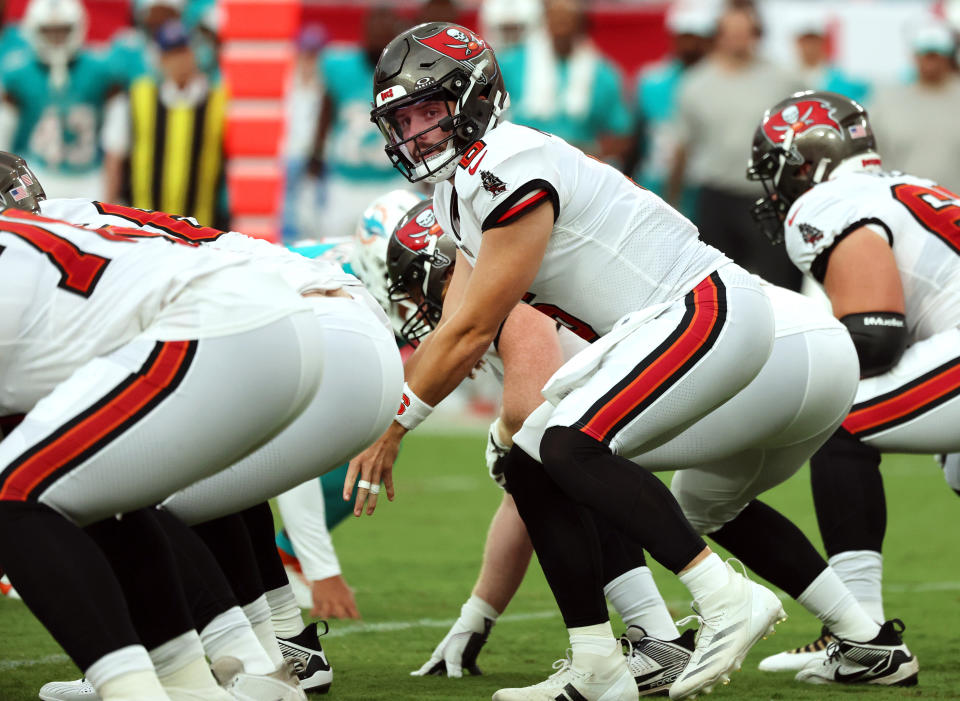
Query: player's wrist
{"x": 412, "y": 411}
{"x": 477, "y": 608}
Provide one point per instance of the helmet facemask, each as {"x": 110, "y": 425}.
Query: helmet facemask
{"x": 422, "y": 286}
{"x": 460, "y": 127}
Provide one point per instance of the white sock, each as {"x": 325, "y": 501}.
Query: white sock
{"x": 194, "y": 681}
{"x": 593, "y": 646}
{"x": 705, "y": 577}
{"x": 258, "y": 613}
{"x": 636, "y": 598}
{"x": 126, "y": 674}
{"x": 862, "y": 572}
{"x": 284, "y": 612}
{"x": 231, "y": 635}
{"x": 830, "y": 601}
{"x": 177, "y": 653}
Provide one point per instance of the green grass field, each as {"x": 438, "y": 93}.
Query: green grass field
{"x": 414, "y": 562}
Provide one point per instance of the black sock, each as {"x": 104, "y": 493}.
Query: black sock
{"x": 259, "y": 520}
{"x": 771, "y": 545}
{"x": 564, "y": 537}
{"x": 206, "y": 587}
{"x": 848, "y": 494}
{"x": 143, "y": 560}
{"x": 619, "y": 554}
{"x": 65, "y": 580}
{"x": 635, "y": 500}
{"x": 229, "y": 541}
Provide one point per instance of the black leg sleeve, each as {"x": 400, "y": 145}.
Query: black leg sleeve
{"x": 848, "y": 494}
{"x": 143, "y": 561}
{"x": 619, "y": 554}
{"x": 564, "y": 537}
{"x": 259, "y": 520}
{"x": 206, "y": 588}
{"x": 635, "y": 500}
{"x": 771, "y": 545}
{"x": 230, "y": 544}
{"x": 65, "y": 580}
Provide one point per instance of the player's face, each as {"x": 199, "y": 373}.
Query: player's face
{"x": 420, "y": 119}
{"x": 55, "y": 34}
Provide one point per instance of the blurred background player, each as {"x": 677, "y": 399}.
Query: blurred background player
{"x": 817, "y": 70}
{"x": 55, "y": 90}
{"x": 165, "y": 150}
{"x": 691, "y": 30}
{"x": 561, "y": 83}
{"x": 348, "y": 151}
{"x": 718, "y": 100}
{"x": 508, "y": 23}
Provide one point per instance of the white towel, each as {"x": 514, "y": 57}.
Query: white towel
{"x": 543, "y": 97}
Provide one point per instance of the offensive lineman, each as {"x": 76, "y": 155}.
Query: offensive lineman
{"x": 618, "y": 267}
{"x": 885, "y": 247}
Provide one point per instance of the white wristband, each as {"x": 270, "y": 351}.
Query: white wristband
{"x": 412, "y": 409}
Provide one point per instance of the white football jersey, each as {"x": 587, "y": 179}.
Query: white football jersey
{"x": 68, "y": 294}
{"x": 615, "y": 247}
{"x": 302, "y": 274}
{"x": 916, "y": 216}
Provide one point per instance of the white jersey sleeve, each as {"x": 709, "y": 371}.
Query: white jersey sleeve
{"x": 827, "y": 213}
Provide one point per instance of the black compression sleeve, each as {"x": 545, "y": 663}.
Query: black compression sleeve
{"x": 880, "y": 339}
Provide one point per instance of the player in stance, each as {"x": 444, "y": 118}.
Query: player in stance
{"x": 886, "y": 249}
{"x": 812, "y": 369}
{"x": 612, "y": 262}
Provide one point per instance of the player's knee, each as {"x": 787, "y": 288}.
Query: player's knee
{"x": 564, "y": 450}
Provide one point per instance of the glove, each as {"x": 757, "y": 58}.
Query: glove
{"x": 495, "y": 453}
{"x": 461, "y": 646}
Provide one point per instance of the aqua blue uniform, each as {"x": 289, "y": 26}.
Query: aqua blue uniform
{"x": 607, "y": 112}
{"x": 655, "y": 109}
{"x": 58, "y": 128}
{"x": 354, "y": 148}
{"x": 127, "y": 55}
{"x": 835, "y": 80}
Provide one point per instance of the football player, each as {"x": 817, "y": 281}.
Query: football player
{"x": 535, "y": 219}
{"x": 808, "y": 346}
{"x": 884, "y": 247}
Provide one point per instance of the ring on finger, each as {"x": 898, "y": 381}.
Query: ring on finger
{"x": 363, "y": 484}
{"x": 374, "y": 488}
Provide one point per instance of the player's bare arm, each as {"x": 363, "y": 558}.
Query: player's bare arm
{"x": 862, "y": 276}
{"x": 506, "y": 266}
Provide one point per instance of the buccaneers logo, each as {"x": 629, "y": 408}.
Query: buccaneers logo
{"x": 415, "y": 234}
{"x": 798, "y": 118}
{"x": 492, "y": 184}
{"x": 458, "y": 43}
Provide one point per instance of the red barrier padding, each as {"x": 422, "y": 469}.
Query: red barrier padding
{"x": 254, "y": 132}
{"x": 257, "y": 73}
{"x": 254, "y": 190}
{"x": 260, "y": 19}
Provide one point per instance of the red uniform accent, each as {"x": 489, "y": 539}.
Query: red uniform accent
{"x": 135, "y": 396}
{"x": 523, "y": 205}
{"x": 910, "y": 401}
{"x": 180, "y": 227}
{"x": 661, "y": 370}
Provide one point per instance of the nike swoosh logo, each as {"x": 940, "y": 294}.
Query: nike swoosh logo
{"x": 476, "y": 164}
{"x": 790, "y": 223}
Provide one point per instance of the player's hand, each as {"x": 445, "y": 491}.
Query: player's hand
{"x": 458, "y": 651}
{"x": 496, "y": 452}
{"x": 332, "y": 598}
{"x": 374, "y": 465}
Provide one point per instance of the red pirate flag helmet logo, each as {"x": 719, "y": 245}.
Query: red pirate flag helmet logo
{"x": 799, "y": 117}
{"x": 415, "y": 234}
{"x": 457, "y": 42}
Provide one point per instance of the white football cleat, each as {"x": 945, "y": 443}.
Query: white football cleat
{"x": 884, "y": 661}
{"x": 732, "y": 619}
{"x": 80, "y": 690}
{"x": 281, "y": 685}
{"x": 798, "y": 658}
{"x": 655, "y": 664}
{"x": 571, "y": 684}
{"x": 309, "y": 660}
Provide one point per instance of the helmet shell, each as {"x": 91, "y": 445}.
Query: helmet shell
{"x": 19, "y": 186}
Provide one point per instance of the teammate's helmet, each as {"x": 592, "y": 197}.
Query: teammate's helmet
{"x": 419, "y": 260}
{"x": 437, "y": 61}
{"x": 56, "y": 29}
{"x": 19, "y": 187}
{"x": 369, "y": 256}
{"x": 800, "y": 141}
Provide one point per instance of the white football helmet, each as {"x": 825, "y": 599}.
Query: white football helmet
{"x": 56, "y": 29}
{"x": 369, "y": 256}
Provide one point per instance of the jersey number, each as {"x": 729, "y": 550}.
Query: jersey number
{"x": 581, "y": 328}
{"x": 79, "y": 270}
{"x": 179, "y": 227}
{"x": 936, "y": 208}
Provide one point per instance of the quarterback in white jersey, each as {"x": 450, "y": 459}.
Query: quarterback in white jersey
{"x": 678, "y": 330}
{"x": 886, "y": 248}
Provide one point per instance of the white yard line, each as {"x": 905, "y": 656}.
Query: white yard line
{"x": 390, "y": 626}
{"x": 6, "y": 665}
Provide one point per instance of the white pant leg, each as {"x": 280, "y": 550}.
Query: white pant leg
{"x": 793, "y": 406}
{"x": 654, "y": 384}
{"x": 126, "y": 430}
{"x": 357, "y": 398}
{"x": 304, "y": 518}
{"x": 951, "y": 470}
{"x": 915, "y": 407}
